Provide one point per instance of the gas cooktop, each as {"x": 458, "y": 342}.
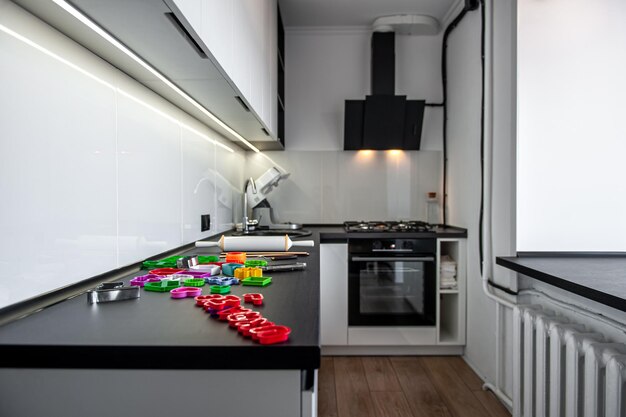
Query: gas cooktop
{"x": 401, "y": 226}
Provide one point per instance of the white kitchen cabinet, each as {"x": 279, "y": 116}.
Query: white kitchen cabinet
{"x": 241, "y": 37}
{"x": 334, "y": 294}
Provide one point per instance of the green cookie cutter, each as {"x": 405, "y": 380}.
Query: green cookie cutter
{"x": 161, "y": 263}
{"x": 220, "y": 289}
{"x": 194, "y": 282}
{"x": 257, "y": 281}
{"x": 207, "y": 259}
{"x": 164, "y": 286}
{"x": 255, "y": 263}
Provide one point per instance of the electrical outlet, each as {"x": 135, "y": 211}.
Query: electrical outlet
{"x": 205, "y": 222}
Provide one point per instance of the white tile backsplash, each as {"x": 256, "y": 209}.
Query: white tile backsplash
{"x": 198, "y": 189}
{"x": 96, "y": 171}
{"x": 150, "y": 179}
{"x": 332, "y": 187}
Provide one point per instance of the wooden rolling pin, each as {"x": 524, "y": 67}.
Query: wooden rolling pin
{"x": 254, "y": 243}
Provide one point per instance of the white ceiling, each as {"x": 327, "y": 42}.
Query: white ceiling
{"x": 299, "y": 13}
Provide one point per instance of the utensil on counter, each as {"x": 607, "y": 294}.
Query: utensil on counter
{"x": 112, "y": 291}
{"x": 255, "y": 243}
{"x": 298, "y": 266}
{"x": 275, "y": 256}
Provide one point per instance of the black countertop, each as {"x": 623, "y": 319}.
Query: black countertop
{"x": 157, "y": 332}
{"x": 598, "y": 278}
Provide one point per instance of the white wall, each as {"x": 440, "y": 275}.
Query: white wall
{"x": 571, "y": 139}
{"x": 324, "y": 67}
{"x": 464, "y": 170}
{"x": 96, "y": 171}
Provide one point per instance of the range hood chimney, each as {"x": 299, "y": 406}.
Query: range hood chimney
{"x": 384, "y": 120}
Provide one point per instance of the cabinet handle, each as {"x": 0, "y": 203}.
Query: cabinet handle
{"x": 181, "y": 29}
{"x": 243, "y": 104}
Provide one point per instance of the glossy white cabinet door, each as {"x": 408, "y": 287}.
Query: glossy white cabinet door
{"x": 334, "y": 294}
{"x": 217, "y": 31}
{"x": 192, "y": 10}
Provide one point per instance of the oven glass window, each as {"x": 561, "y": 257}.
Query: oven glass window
{"x": 391, "y": 288}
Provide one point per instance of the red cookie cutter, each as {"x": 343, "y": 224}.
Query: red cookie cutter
{"x": 271, "y": 334}
{"x": 184, "y": 292}
{"x": 244, "y": 329}
{"x": 223, "y": 314}
{"x": 201, "y": 299}
{"x": 256, "y": 299}
{"x": 237, "y": 319}
{"x": 165, "y": 271}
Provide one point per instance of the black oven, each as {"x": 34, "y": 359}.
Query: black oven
{"x": 391, "y": 282}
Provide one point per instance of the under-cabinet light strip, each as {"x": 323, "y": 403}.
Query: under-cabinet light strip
{"x": 40, "y": 48}
{"x": 106, "y": 36}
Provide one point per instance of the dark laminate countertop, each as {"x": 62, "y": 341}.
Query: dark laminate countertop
{"x": 157, "y": 332}
{"x": 598, "y": 278}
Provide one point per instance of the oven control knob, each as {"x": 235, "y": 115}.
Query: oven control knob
{"x": 377, "y": 244}
{"x": 407, "y": 245}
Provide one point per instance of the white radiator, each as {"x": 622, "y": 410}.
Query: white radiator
{"x": 562, "y": 370}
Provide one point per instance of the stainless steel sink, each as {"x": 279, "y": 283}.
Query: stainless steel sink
{"x": 276, "y": 232}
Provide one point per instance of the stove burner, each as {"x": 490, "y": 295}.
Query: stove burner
{"x": 389, "y": 226}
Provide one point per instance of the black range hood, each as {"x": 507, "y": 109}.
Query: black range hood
{"x": 383, "y": 120}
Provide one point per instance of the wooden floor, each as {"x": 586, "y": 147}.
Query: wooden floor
{"x": 403, "y": 386}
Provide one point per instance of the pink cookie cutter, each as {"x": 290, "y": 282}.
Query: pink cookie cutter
{"x": 184, "y": 292}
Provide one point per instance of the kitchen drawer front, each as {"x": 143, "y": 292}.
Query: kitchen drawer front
{"x": 392, "y": 336}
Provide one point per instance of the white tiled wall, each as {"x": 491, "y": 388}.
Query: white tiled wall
{"x": 96, "y": 171}
{"x": 332, "y": 187}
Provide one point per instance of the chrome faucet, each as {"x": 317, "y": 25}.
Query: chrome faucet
{"x": 244, "y": 222}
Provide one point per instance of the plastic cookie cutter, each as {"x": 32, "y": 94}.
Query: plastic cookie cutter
{"x": 228, "y": 269}
{"x": 142, "y": 279}
{"x": 223, "y": 315}
{"x": 220, "y": 289}
{"x": 201, "y": 300}
{"x": 110, "y": 291}
{"x": 184, "y": 292}
{"x": 222, "y": 281}
{"x": 207, "y": 269}
{"x": 237, "y": 319}
{"x": 197, "y": 274}
{"x": 208, "y": 259}
{"x": 246, "y": 272}
{"x": 255, "y": 263}
{"x": 180, "y": 277}
{"x": 219, "y": 302}
{"x": 271, "y": 334}
{"x": 236, "y": 257}
{"x": 194, "y": 282}
{"x": 254, "y": 298}
{"x": 163, "y": 286}
{"x": 244, "y": 329}
{"x": 161, "y": 263}
{"x": 257, "y": 281}
{"x": 165, "y": 271}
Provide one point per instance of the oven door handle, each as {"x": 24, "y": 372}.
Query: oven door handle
{"x": 396, "y": 259}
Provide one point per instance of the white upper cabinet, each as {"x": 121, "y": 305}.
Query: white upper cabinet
{"x": 241, "y": 36}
